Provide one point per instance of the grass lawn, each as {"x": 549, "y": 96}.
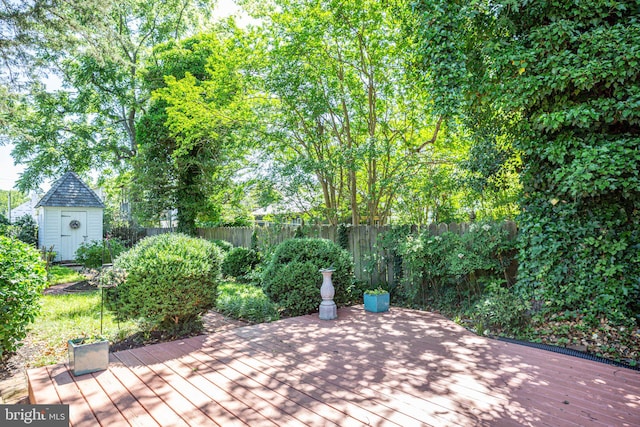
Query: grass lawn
{"x": 68, "y": 316}
{"x": 59, "y": 274}
{"x": 74, "y": 315}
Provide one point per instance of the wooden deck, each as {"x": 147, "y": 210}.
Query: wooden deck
{"x": 400, "y": 368}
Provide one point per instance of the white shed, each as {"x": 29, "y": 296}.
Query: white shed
{"x": 68, "y": 215}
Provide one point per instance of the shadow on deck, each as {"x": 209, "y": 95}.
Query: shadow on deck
{"x": 403, "y": 367}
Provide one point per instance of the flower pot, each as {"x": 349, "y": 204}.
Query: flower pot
{"x": 376, "y": 303}
{"x": 89, "y": 357}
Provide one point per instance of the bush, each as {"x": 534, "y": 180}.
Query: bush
{"x": 246, "y": 302}
{"x": 22, "y": 278}
{"x": 292, "y": 278}
{"x": 25, "y": 229}
{"x": 169, "y": 281}
{"x": 222, "y": 244}
{"x": 98, "y": 252}
{"x": 500, "y": 311}
{"x": 4, "y": 225}
{"x": 239, "y": 262}
{"x": 437, "y": 268}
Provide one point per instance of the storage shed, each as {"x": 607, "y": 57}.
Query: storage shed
{"x": 69, "y": 214}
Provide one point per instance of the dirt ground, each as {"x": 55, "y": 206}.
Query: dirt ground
{"x": 13, "y": 379}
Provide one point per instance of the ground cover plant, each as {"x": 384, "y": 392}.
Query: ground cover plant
{"x": 245, "y": 302}
{"x": 166, "y": 281}
{"x": 22, "y": 278}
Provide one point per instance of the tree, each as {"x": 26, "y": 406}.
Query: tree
{"x": 567, "y": 75}
{"x": 17, "y": 199}
{"x": 452, "y": 39}
{"x": 96, "y": 48}
{"x": 192, "y": 135}
{"x": 344, "y": 107}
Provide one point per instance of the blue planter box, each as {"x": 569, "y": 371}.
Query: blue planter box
{"x": 376, "y": 303}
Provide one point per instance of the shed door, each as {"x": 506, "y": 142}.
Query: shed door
{"x": 74, "y": 232}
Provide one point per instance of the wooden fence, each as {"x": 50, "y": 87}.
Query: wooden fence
{"x": 372, "y": 263}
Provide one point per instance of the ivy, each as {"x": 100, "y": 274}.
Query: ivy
{"x": 567, "y": 75}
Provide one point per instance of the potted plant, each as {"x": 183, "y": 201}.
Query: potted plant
{"x": 376, "y": 300}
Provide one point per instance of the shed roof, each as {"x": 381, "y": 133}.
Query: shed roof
{"x": 70, "y": 191}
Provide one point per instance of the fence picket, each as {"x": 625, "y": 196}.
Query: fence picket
{"x": 362, "y": 242}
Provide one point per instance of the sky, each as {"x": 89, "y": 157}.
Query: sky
{"x": 9, "y": 173}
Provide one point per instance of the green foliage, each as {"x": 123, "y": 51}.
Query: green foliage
{"x": 453, "y": 268}
{"x": 245, "y": 302}
{"x": 452, "y": 40}
{"x": 22, "y": 278}
{"x": 344, "y": 110}
{"x": 570, "y": 261}
{"x": 189, "y": 136}
{"x": 500, "y": 310}
{"x": 239, "y": 262}
{"x": 92, "y": 121}
{"x": 558, "y": 81}
{"x": 222, "y": 244}
{"x": 26, "y": 230}
{"x": 171, "y": 279}
{"x": 98, "y": 252}
{"x": 4, "y": 225}
{"x": 58, "y": 274}
{"x": 376, "y": 291}
{"x": 292, "y": 278}
{"x": 577, "y": 90}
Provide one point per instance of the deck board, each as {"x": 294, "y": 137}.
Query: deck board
{"x": 400, "y": 368}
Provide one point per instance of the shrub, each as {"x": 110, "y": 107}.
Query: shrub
{"x": 25, "y": 229}
{"x": 246, "y": 302}
{"x": 292, "y": 278}
{"x": 98, "y": 252}
{"x": 500, "y": 311}
{"x": 170, "y": 280}
{"x": 239, "y": 262}
{"x": 439, "y": 267}
{"x": 222, "y": 244}
{"x": 4, "y": 225}
{"x": 22, "y": 277}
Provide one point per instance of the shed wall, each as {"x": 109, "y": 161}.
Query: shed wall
{"x": 50, "y": 226}
{"x": 94, "y": 224}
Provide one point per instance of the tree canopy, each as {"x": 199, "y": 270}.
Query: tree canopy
{"x": 96, "y": 49}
